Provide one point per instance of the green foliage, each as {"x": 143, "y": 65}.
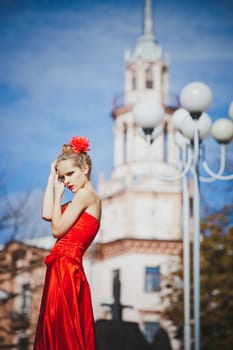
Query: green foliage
{"x": 216, "y": 284}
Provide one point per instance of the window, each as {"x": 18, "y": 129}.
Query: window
{"x": 18, "y": 258}
{"x": 165, "y": 143}
{"x": 149, "y": 78}
{"x": 23, "y": 343}
{"x": 26, "y": 301}
{"x": 152, "y": 279}
{"x": 134, "y": 80}
{"x": 150, "y": 329}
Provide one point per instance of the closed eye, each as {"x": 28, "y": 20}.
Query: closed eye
{"x": 61, "y": 178}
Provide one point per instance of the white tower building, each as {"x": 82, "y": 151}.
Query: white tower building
{"x": 140, "y": 233}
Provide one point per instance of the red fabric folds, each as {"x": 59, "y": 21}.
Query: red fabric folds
{"x": 66, "y": 319}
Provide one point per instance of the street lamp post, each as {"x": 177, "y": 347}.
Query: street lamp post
{"x": 192, "y": 125}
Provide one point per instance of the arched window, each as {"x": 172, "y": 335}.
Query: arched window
{"x": 165, "y": 143}
{"x": 134, "y": 80}
{"x": 149, "y": 77}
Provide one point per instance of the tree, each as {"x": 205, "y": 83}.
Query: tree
{"x": 216, "y": 284}
{"x": 13, "y": 215}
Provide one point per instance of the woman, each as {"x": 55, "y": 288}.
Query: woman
{"x": 66, "y": 319}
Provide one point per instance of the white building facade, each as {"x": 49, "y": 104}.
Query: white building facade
{"x": 141, "y": 228}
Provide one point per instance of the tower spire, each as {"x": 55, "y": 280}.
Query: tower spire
{"x": 147, "y": 47}
{"x": 148, "y": 19}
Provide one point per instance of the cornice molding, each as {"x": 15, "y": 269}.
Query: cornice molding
{"x": 117, "y": 111}
{"x": 119, "y": 247}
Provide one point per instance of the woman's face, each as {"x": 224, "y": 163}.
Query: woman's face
{"x": 72, "y": 176}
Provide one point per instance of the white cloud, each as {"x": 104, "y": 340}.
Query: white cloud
{"x": 62, "y": 86}
{"x": 69, "y": 65}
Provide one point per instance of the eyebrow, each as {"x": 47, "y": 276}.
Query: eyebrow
{"x": 67, "y": 173}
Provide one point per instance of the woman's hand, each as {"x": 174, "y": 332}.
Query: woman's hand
{"x": 53, "y": 171}
{"x": 59, "y": 187}
{"x": 48, "y": 199}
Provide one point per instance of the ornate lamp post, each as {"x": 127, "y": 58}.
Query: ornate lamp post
{"x": 192, "y": 125}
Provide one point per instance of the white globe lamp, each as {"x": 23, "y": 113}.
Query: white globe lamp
{"x": 196, "y": 97}
{"x": 178, "y": 117}
{"x": 222, "y": 130}
{"x": 148, "y": 113}
{"x": 203, "y": 124}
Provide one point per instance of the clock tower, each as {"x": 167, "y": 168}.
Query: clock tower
{"x": 140, "y": 235}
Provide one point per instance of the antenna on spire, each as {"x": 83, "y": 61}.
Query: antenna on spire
{"x": 148, "y": 19}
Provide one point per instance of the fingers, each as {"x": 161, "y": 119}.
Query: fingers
{"x": 53, "y": 167}
{"x": 59, "y": 186}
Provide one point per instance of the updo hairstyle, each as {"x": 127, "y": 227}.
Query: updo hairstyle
{"x": 80, "y": 160}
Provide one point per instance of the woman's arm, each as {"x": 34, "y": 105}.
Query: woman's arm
{"x": 48, "y": 198}
{"x": 61, "y": 222}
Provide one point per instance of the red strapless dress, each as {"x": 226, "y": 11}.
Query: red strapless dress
{"x": 66, "y": 319}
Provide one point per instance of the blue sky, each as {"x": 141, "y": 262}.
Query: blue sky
{"x": 62, "y": 63}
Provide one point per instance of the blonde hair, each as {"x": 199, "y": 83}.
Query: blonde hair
{"x": 81, "y": 159}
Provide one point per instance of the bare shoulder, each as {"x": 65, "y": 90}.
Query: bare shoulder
{"x": 92, "y": 201}
{"x": 88, "y": 195}
{"x": 82, "y": 194}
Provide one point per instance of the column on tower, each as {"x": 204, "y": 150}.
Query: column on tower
{"x": 129, "y": 142}
{"x": 173, "y": 154}
{"x": 119, "y": 143}
{"x": 157, "y": 148}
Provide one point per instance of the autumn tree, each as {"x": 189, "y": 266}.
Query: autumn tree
{"x": 216, "y": 284}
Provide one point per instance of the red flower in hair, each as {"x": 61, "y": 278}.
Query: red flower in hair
{"x": 80, "y": 144}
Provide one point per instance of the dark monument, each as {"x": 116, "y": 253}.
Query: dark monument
{"x": 116, "y": 334}
{"x": 116, "y": 306}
